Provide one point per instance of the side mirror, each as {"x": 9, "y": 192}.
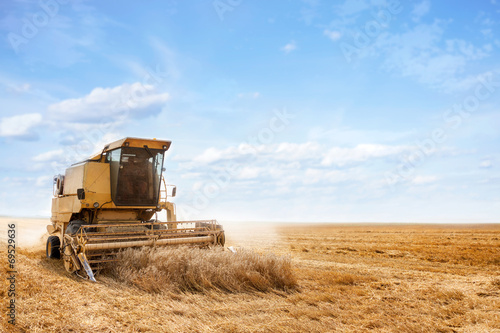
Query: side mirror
{"x": 174, "y": 191}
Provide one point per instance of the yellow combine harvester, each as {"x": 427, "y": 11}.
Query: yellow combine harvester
{"x": 108, "y": 203}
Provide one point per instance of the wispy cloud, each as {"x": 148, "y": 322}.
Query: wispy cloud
{"x": 352, "y": 7}
{"x": 309, "y": 12}
{"x": 422, "y": 180}
{"x": 332, "y": 34}
{"x": 285, "y": 155}
{"x": 56, "y": 33}
{"x": 424, "y": 54}
{"x": 49, "y": 155}
{"x": 486, "y": 164}
{"x": 361, "y": 153}
{"x": 420, "y": 9}
{"x": 167, "y": 59}
{"x": 289, "y": 47}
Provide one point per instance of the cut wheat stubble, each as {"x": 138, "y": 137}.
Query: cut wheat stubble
{"x": 185, "y": 269}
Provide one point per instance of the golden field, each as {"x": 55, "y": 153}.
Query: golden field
{"x": 344, "y": 278}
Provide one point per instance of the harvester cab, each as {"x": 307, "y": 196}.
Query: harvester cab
{"x": 111, "y": 202}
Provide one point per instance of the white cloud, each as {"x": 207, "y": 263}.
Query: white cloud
{"x": 20, "y": 126}
{"x": 289, "y": 47}
{"x": 281, "y": 152}
{"x": 283, "y": 172}
{"x": 127, "y": 100}
{"x": 272, "y": 168}
{"x": 77, "y": 149}
{"x": 363, "y": 152}
{"x": 296, "y": 152}
{"x": 43, "y": 181}
{"x": 49, "y": 156}
{"x": 332, "y": 34}
{"x": 315, "y": 176}
{"x": 250, "y": 173}
{"x": 212, "y": 154}
{"x": 422, "y": 180}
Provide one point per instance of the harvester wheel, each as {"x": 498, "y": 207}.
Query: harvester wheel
{"x": 52, "y": 249}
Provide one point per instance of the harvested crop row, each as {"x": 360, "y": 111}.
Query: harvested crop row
{"x": 185, "y": 269}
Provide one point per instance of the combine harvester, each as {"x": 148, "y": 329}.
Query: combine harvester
{"x": 107, "y": 203}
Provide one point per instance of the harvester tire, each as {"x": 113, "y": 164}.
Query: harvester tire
{"x": 75, "y": 226}
{"x": 52, "y": 249}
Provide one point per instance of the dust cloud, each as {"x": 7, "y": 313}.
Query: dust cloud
{"x": 31, "y": 233}
{"x": 252, "y": 235}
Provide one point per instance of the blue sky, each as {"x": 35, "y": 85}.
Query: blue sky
{"x": 356, "y": 111}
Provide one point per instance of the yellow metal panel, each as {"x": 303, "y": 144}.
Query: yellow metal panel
{"x": 96, "y": 184}
{"x": 54, "y": 217}
{"x": 73, "y": 179}
{"x": 64, "y": 207}
{"x": 97, "y": 178}
{"x": 69, "y": 204}
{"x": 117, "y": 215}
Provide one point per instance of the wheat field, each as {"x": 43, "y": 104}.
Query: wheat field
{"x": 284, "y": 278}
